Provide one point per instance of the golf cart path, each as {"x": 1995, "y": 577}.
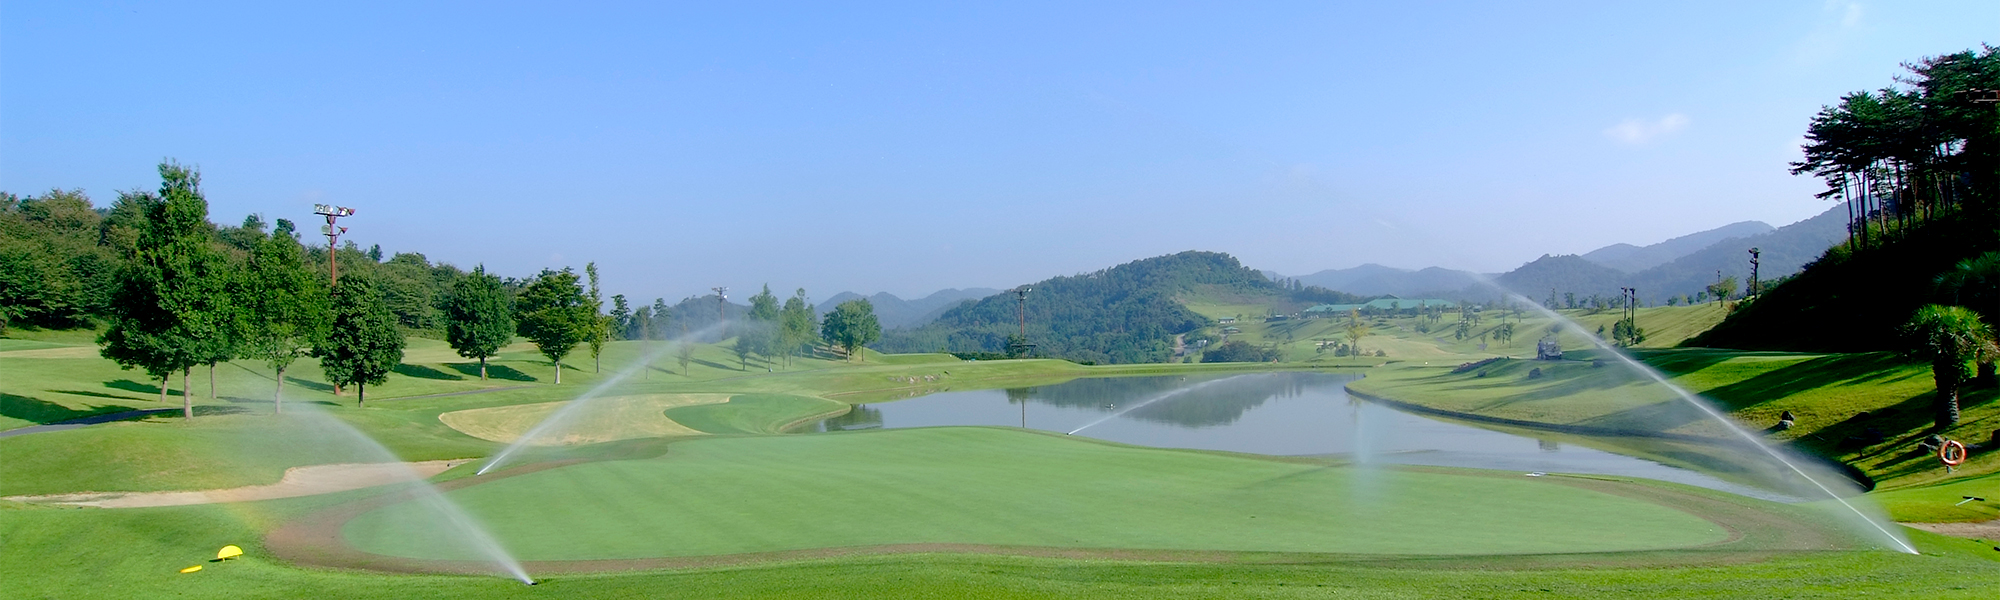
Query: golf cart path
{"x": 1985, "y": 530}
{"x": 298, "y": 481}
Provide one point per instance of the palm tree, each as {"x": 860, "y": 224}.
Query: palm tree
{"x": 1975, "y": 282}
{"x": 1948, "y": 337}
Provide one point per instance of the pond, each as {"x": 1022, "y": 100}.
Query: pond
{"x": 1292, "y": 414}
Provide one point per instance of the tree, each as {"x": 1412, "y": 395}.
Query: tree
{"x": 288, "y": 304}
{"x": 599, "y": 328}
{"x": 479, "y": 317}
{"x": 168, "y": 312}
{"x": 623, "y": 322}
{"x": 761, "y": 330}
{"x": 1975, "y": 283}
{"x": 1724, "y": 288}
{"x": 362, "y": 344}
{"x": 797, "y": 324}
{"x": 851, "y": 326}
{"x": 1948, "y": 337}
{"x": 1356, "y": 329}
{"x": 555, "y": 314}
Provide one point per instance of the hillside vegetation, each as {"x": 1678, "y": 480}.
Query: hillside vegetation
{"x": 1129, "y": 313}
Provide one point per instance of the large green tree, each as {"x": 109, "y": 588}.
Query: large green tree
{"x": 762, "y": 330}
{"x": 1950, "y": 338}
{"x": 362, "y": 344}
{"x": 168, "y": 311}
{"x": 479, "y": 317}
{"x": 798, "y": 325}
{"x": 851, "y": 326}
{"x": 288, "y": 303}
{"x": 555, "y": 314}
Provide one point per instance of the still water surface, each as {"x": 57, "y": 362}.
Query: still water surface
{"x": 1262, "y": 413}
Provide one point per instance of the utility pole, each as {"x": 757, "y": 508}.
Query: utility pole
{"x": 332, "y": 232}
{"x": 1021, "y": 346}
{"x": 721, "y": 301}
{"x": 1754, "y": 285}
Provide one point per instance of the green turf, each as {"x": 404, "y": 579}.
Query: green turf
{"x": 752, "y": 413}
{"x": 1007, "y": 487}
{"x": 91, "y": 554}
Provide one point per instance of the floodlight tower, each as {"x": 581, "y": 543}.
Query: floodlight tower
{"x": 721, "y": 301}
{"x": 332, "y": 232}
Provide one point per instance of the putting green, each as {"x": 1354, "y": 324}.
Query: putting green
{"x": 603, "y": 420}
{"x": 992, "y": 486}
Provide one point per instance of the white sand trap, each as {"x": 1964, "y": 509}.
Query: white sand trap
{"x": 605, "y": 419}
{"x": 298, "y": 481}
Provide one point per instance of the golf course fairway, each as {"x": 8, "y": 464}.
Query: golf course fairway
{"x": 997, "y": 487}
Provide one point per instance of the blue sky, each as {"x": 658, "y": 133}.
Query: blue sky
{"x": 912, "y": 147}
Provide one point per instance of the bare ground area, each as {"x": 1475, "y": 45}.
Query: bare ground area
{"x": 298, "y": 481}
{"x": 1981, "y": 530}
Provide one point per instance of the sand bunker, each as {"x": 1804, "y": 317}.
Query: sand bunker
{"x": 298, "y": 481}
{"x": 603, "y": 420}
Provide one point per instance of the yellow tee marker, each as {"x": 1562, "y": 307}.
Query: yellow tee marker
{"x": 191, "y": 569}
{"x": 229, "y": 551}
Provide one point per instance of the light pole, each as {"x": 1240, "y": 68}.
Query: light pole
{"x": 332, "y": 232}
{"x": 1754, "y": 287}
{"x": 721, "y": 301}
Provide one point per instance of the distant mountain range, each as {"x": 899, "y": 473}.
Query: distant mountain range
{"x": 893, "y": 312}
{"x": 1681, "y": 266}
{"x": 1633, "y": 259}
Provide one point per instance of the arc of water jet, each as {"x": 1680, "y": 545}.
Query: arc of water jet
{"x": 1686, "y": 396}
{"x": 1147, "y": 401}
{"x": 561, "y": 414}
{"x": 428, "y": 495}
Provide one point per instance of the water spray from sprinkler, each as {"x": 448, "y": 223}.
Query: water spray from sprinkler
{"x": 1143, "y": 403}
{"x": 1710, "y": 411}
{"x": 562, "y": 415}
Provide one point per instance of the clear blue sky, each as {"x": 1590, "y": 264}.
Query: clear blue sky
{"x": 907, "y": 148}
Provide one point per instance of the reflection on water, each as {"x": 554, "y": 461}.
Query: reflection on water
{"x": 1262, "y": 413}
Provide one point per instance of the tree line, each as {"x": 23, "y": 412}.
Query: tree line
{"x": 172, "y": 291}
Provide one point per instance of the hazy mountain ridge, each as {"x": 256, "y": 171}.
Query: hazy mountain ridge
{"x": 1633, "y": 259}
{"x": 892, "y": 311}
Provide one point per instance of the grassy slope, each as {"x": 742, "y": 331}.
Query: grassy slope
{"x": 1828, "y": 394}
{"x": 1006, "y": 487}
{"x": 1399, "y": 337}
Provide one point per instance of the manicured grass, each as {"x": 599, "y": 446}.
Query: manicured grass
{"x": 601, "y": 419}
{"x": 1008, "y": 487}
{"x": 753, "y": 413}
{"x": 1943, "y": 502}
{"x": 1867, "y": 410}
{"x": 89, "y": 554}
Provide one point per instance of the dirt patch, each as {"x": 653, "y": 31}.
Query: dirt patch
{"x": 604, "y": 420}
{"x": 1980, "y": 530}
{"x": 298, "y": 481}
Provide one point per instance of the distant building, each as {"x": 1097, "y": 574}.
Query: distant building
{"x": 1226, "y": 320}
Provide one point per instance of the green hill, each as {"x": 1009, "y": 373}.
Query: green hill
{"x": 1129, "y": 313}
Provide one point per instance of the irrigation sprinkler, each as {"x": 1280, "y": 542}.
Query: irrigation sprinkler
{"x": 1969, "y": 499}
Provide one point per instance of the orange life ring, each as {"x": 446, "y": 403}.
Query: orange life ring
{"x": 1952, "y": 453}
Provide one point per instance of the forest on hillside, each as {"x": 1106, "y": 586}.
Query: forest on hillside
{"x": 1124, "y": 314}
{"x": 1917, "y": 168}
